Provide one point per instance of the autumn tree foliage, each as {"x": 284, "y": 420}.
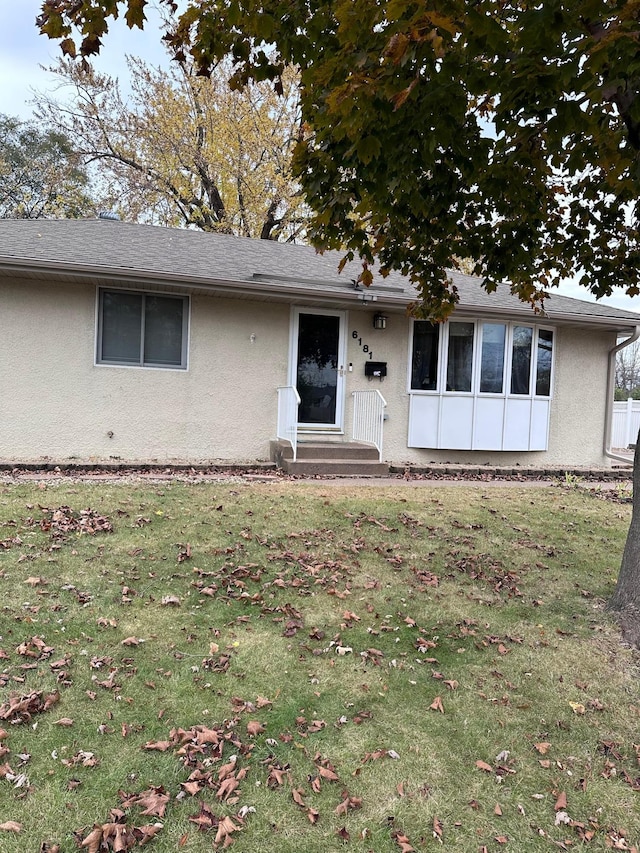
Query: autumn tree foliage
{"x": 505, "y": 132}
{"x": 40, "y": 173}
{"x": 500, "y": 131}
{"x": 181, "y": 149}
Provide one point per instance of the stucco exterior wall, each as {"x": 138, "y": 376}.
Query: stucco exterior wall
{"x": 57, "y": 404}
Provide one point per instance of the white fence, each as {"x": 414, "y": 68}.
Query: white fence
{"x": 626, "y": 423}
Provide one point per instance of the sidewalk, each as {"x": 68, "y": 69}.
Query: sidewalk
{"x": 434, "y": 476}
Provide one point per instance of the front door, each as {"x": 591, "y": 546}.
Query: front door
{"x": 318, "y": 350}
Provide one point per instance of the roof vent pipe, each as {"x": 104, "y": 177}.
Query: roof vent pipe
{"x": 109, "y": 214}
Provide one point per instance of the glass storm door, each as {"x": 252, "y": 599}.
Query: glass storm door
{"x": 319, "y": 344}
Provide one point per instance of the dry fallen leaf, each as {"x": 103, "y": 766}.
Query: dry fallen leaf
{"x": 11, "y": 826}
{"x": 297, "y": 795}
{"x": 160, "y": 745}
{"x": 437, "y": 828}
{"x": 437, "y": 705}
{"x": 561, "y": 802}
{"x": 403, "y": 843}
{"x": 93, "y": 841}
{"x": 542, "y": 748}
{"x": 225, "y": 827}
{"x": 327, "y": 773}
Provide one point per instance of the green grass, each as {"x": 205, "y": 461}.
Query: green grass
{"x": 486, "y": 603}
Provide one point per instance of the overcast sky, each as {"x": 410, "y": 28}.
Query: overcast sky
{"x": 23, "y": 50}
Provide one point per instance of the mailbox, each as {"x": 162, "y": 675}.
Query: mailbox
{"x": 377, "y": 369}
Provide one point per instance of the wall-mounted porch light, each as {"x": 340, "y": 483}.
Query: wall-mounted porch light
{"x": 379, "y": 321}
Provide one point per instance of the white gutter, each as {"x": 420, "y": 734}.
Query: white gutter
{"x": 611, "y": 378}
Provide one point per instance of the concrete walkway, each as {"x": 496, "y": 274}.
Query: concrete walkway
{"x": 432, "y": 479}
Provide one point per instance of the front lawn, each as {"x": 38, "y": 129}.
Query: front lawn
{"x": 304, "y": 667}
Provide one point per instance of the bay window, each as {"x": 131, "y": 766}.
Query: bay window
{"x": 480, "y": 385}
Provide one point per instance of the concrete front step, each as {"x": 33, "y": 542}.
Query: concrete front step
{"x": 336, "y": 468}
{"x": 326, "y": 458}
{"x": 332, "y": 450}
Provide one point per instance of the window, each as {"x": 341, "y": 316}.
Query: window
{"x": 460, "y": 356}
{"x": 142, "y": 329}
{"x": 543, "y": 363}
{"x": 492, "y": 359}
{"x": 480, "y": 385}
{"x": 424, "y": 360}
{"x": 478, "y": 357}
{"x": 521, "y": 359}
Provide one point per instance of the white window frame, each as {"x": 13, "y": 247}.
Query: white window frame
{"x": 478, "y": 323}
{"x": 141, "y": 364}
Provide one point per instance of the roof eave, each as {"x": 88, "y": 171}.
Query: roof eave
{"x": 236, "y": 287}
{"x": 286, "y": 291}
{"x": 552, "y": 317}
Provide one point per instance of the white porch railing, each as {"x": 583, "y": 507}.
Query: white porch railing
{"x": 368, "y": 418}
{"x": 626, "y": 422}
{"x": 287, "y": 429}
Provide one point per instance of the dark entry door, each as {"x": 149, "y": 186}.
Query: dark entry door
{"x": 319, "y": 370}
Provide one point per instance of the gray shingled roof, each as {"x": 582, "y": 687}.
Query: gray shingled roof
{"x": 95, "y": 247}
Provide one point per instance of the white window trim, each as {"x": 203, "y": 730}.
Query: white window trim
{"x": 186, "y": 329}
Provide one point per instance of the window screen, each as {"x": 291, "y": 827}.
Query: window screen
{"x": 142, "y": 329}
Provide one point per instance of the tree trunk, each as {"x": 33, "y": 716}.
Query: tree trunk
{"x": 627, "y": 593}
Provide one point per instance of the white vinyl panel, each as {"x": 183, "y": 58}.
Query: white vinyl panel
{"x": 423, "y": 420}
{"x": 456, "y": 423}
{"x": 488, "y": 423}
{"x": 517, "y": 424}
{"x": 539, "y": 437}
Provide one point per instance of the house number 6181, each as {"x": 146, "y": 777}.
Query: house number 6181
{"x": 365, "y": 347}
